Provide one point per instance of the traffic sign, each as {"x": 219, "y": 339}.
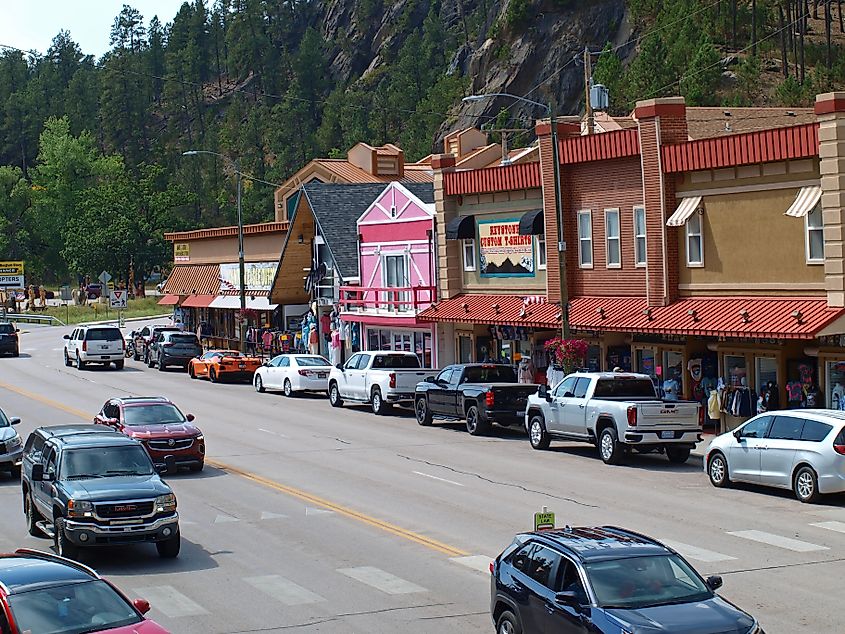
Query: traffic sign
{"x": 104, "y": 277}
{"x": 11, "y": 274}
{"x": 544, "y": 521}
{"x": 117, "y": 299}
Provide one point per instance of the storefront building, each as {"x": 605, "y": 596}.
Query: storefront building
{"x": 396, "y": 247}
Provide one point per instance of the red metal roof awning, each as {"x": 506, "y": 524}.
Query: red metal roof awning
{"x": 756, "y": 317}
{"x": 193, "y": 279}
{"x": 495, "y": 310}
{"x": 168, "y": 300}
{"x": 198, "y": 301}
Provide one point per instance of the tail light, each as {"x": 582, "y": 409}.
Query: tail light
{"x": 167, "y": 345}
{"x": 123, "y": 341}
{"x": 392, "y": 379}
{"x": 840, "y": 449}
{"x": 304, "y": 373}
{"x": 84, "y": 346}
{"x": 489, "y": 399}
{"x": 632, "y": 416}
{"x": 492, "y": 567}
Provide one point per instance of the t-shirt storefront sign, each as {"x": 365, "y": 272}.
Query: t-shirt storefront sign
{"x": 502, "y": 251}
{"x": 257, "y": 275}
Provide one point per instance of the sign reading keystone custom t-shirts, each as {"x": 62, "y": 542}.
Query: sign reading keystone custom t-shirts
{"x": 257, "y": 275}
{"x": 11, "y": 274}
{"x": 502, "y": 251}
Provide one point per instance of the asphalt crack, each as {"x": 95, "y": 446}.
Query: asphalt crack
{"x": 500, "y": 483}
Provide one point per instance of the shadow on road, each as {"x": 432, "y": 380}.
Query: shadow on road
{"x": 833, "y": 501}
{"x": 22, "y": 355}
{"x": 124, "y": 561}
{"x": 206, "y": 473}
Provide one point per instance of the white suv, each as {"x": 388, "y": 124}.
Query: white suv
{"x": 95, "y": 344}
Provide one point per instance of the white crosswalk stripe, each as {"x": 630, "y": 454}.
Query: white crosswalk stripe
{"x": 771, "y": 539}
{"x": 170, "y": 601}
{"x": 309, "y": 511}
{"x": 694, "y": 552}
{"x": 283, "y": 590}
{"x": 480, "y": 563}
{"x": 267, "y": 515}
{"x": 839, "y": 527}
{"x": 223, "y": 518}
{"x": 381, "y": 580}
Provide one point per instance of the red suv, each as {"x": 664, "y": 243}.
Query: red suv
{"x": 160, "y": 426}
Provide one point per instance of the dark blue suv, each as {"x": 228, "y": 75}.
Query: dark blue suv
{"x": 605, "y": 580}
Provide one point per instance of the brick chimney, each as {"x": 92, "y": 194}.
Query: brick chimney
{"x": 661, "y": 122}
{"x": 830, "y": 112}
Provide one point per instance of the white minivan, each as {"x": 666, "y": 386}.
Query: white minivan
{"x": 95, "y": 344}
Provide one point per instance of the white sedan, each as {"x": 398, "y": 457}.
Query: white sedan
{"x": 293, "y": 373}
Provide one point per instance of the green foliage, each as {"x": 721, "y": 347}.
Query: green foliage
{"x": 608, "y": 71}
{"x": 701, "y": 79}
{"x": 517, "y": 13}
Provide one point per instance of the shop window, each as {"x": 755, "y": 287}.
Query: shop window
{"x": 612, "y": 238}
{"x": 541, "y": 252}
{"x": 835, "y": 385}
{"x": 815, "y": 235}
{"x": 802, "y": 384}
{"x": 645, "y": 362}
{"x": 766, "y": 371}
{"x": 585, "y": 239}
{"x": 469, "y": 255}
{"x": 695, "y": 241}
{"x": 395, "y": 275}
{"x": 464, "y": 349}
{"x": 673, "y": 374}
{"x": 736, "y": 370}
{"x": 639, "y": 236}
{"x": 422, "y": 346}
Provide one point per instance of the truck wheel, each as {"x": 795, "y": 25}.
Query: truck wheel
{"x": 334, "y": 396}
{"x": 424, "y": 416}
{"x": 119, "y": 364}
{"x": 537, "y": 434}
{"x": 678, "y": 455}
{"x": 379, "y": 406}
{"x": 169, "y": 548}
{"x": 63, "y": 546}
{"x": 32, "y": 517}
{"x": 476, "y": 425}
{"x": 610, "y": 448}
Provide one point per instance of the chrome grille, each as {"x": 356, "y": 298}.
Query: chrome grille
{"x": 125, "y": 509}
{"x": 165, "y": 445}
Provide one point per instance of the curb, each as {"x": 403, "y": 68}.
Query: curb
{"x": 114, "y": 321}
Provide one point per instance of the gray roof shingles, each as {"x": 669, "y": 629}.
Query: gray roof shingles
{"x": 337, "y": 207}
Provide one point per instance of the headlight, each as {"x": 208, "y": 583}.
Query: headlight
{"x": 199, "y": 438}
{"x": 166, "y": 503}
{"x": 80, "y": 508}
{"x": 14, "y": 443}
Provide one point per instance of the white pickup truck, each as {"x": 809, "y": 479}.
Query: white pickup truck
{"x": 379, "y": 378}
{"x": 617, "y": 412}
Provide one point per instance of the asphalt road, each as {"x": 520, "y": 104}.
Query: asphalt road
{"x": 313, "y": 519}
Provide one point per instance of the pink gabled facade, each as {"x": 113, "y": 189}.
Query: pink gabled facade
{"x": 396, "y": 251}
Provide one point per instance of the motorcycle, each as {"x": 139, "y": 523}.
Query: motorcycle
{"x": 130, "y": 346}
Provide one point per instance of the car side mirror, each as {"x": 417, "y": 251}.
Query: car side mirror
{"x": 568, "y": 598}
{"x": 339, "y": 366}
{"x": 738, "y": 434}
{"x": 142, "y": 605}
{"x": 37, "y": 473}
{"x": 15, "y": 420}
{"x": 543, "y": 391}
{"x": 430, "y": 379}
{"x": 569, "y": 395}
{"x": 66, "y": 337}
{"x": 190, "y": 418}
{"x": 714, "y": 582}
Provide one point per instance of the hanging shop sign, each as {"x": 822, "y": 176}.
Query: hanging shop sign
{"x": 182, "y": 252}
{"x": 832, "y": 340}
{"x": 502, "y": 251}
{"x": 258, "y": 276}
{"x": 11, "y": 274}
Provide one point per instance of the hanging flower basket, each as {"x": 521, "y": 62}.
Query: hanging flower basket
{"x": 246, "y": 315}
{"x": 569, "y": 353}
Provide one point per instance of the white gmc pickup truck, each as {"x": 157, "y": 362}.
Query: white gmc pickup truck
{"x": 617, "y": 412}
{"x": 379, "y": 378}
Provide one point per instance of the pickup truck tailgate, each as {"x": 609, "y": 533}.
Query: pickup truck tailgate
{"x": 512, "y": 396}
{"x": 667, "y": 415}
{"x": 406, "y": 380}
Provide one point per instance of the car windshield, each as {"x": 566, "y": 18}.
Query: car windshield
{"x": 4, "y": 422}
{"x": 158, "y": 414}
{"x": 103, "y": 334}
{"x": 489, "y": 374}
{"x": 621, "y": 387}
{"x": 647, "y": 581}
{"x": 88, "y": 606}
{"x": 396, "y": 361}
{"x": 312, "y": 361}
{"x": 184, "y": 339}
{"x": 6, "y": 329}
{"x": 97, "y": 462}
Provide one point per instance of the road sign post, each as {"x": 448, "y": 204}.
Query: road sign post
{"x": 117, "y": 300}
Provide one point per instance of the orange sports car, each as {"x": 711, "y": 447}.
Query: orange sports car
{"x": 223, "y": 364}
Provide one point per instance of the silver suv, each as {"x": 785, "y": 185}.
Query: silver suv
{"x": 95, "y": 344}
{"x": 802, "y": 450}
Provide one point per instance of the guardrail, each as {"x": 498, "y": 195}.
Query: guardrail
{"x": 35, "y": 319}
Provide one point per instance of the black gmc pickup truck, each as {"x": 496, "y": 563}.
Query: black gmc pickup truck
{"x": 84, "y": 486}
{"x": 478, "y": 393}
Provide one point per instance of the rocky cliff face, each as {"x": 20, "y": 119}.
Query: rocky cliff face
{"x": 544, "y": 48}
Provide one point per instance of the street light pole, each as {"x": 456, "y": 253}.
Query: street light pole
{"x": 561, "y": 243}
{"x": 241, "y": 263}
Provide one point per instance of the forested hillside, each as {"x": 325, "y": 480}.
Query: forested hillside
{"x": 92, "y": 148}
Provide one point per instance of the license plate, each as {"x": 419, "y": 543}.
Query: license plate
{"x": 104, "y": 347}
{"x": 522, "y": 413}
{"x": 242, "y": 366}
{"x": 667, "y": 434}
{"x": 322, "y": 375}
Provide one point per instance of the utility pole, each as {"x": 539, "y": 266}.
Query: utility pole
{"x": 505, "y": 146}
{"x": 561, "y": 242}
{"x": 588, "y": 78}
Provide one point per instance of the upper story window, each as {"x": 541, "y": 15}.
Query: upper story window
{"x": 639, "y": 236}
{"x": 585, "y": 239}
{"x": 541, "y": 251}
{"x": 612, "y": 238}
{"x": 815, "y": 236}
{"x": 695, "y": 241}
{"x": 469, "y": 254}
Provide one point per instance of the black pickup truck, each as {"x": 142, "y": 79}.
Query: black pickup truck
{"x": 83, "y": 487}
{"x": 479, "y": 393}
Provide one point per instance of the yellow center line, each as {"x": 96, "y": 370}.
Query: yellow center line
{"x": 305, "y": 496}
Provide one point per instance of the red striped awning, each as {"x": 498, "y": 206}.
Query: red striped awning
{"x": 168, "y": 300}
{"x": 495, "y": 310}
{"x": 198, "y": 301}
{"x": 193, "y": 279}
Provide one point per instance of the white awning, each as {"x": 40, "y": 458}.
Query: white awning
{"x": 233, "y": 302}
{"x": 807, "y": 198}
{"x": 684, "y": 211}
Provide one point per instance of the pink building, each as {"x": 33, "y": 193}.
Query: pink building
{"x": 396, "y": 247}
